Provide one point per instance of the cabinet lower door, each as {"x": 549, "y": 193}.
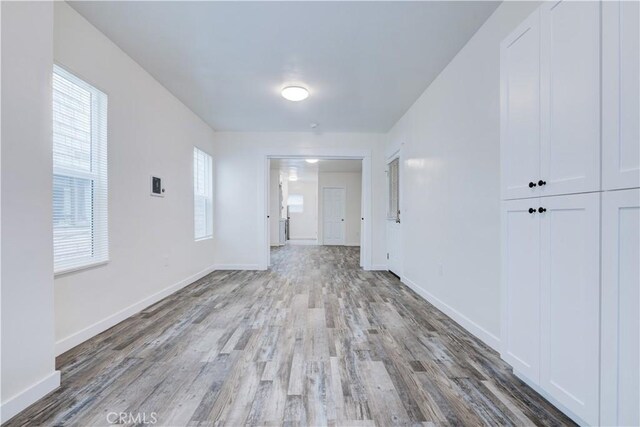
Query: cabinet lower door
{"x": 570, "y": 301}
{"x": 570, "y": 97}
{"x": 521, "y": 287}
{"x": 620, "y": 392}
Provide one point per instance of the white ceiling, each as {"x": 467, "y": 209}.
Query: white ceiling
{"x": 309, "y": 171}
{"x": 364, "y": 62}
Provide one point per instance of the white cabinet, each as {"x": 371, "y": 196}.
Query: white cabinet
{"x": 520, "y": 112}
{"x": 620, "y": 392}
{"x": 521, "y": 286}
{"x": 570, "y": 147}
{"x": 570, "y": 301}
{"x": 570, "y": 97}
{"x": 551, "y": 297}
{"x": 620, "y": 95}
{"x": 550, "y": 102}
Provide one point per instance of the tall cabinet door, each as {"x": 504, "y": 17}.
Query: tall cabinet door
{"x": 520, "y": 109}
{"x": 620, "y": 392}
{"x": 570, "y": 301}
{"x": 521, "y": 286}
{"x": 570, "y": 97}
{"x": 620, "y": 94}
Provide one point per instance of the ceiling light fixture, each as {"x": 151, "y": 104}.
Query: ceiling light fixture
{"x": 295, "y": 93}
{"x": 312, "y": 161}
{"x": 293, "y": 178}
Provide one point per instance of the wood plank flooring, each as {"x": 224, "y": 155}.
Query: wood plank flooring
{"x": 314, "y": 341}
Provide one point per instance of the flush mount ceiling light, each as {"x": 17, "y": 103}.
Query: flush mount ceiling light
{"x": 295, "y": 93}
{"x": 312, "y": 161}
{"x": 293, "y": 178}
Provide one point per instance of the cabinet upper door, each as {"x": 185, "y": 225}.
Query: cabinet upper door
{"x": 570, "y": 301}
{"x": 620, "y": 391}
{"x": 520, "y": 109}
{"x": 620, "y": 95}
{"x": 521, "y": 286}
{"x": 570, "y": 97}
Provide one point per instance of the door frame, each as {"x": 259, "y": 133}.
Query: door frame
{"x": 366, "y": 249}
{"x": 344, "y": 213}
{"x": 396, "y": 154}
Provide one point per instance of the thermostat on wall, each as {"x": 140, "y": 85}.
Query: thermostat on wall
{"x": 156, "y": 187}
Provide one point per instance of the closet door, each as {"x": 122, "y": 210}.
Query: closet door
{"x": 520, "y": 109}
{"x": 570, "y": 301}
{"x": 570, "y": 97}
{"x": 521, "y": 286}
{"x": 620, "y": 94}
{"x": 620, "y": 391}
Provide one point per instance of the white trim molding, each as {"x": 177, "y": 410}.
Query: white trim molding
{"x": 251, "y": 267}
{"x": 21, "y": 401}
{"x": 478, "y": 331}
{"x": 81, "y": 336}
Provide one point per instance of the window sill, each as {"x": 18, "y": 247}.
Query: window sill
{"x": 200, "y": 239}
{"x": 70, "y": 270}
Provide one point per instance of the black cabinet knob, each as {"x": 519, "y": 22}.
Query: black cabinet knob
{"x": 541, "y": 209}
{"x": 531, "y": 210}
{"x": 541, "y": 183}
{"x": 532, "y": 184}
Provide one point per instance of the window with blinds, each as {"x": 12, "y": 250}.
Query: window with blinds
{"x": 80, "y": 234}
{"x": 202, "y": 194}
{"x": 393, "y": 211}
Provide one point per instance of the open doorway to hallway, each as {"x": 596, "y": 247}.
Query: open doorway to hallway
{"x": 315, "y": 202}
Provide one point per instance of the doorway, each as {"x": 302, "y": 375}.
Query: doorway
{"x": 348, "y": 193}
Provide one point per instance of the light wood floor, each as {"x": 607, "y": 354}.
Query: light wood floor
{"x": 314, "y": 341}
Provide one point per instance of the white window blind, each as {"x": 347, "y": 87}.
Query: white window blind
{"x": 80, "y": 232}
{"x": 202, "y": 194}
{"x": 394, "y": 190}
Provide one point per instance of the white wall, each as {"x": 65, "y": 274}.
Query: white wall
{"x": 451, "y": 194}
{"x": 304, "y": 225}
{"x": 152, "y": 246}
{"x": 352, "y": 183}
{"x": 240, "y": 161}
{"x": 28, "y": 370}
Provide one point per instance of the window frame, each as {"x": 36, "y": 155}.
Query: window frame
{"x": 208, "y": 198}
{"x": 97, "y": 175}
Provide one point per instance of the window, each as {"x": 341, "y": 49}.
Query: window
{"x": 80, "y": 234}
{"x": 202, "y": 194}
{"x": 394, "y": 190}
{"x": 295, "y": 203}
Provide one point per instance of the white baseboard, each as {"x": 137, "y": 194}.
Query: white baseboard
{"x": 478, "y": 331}
{"x": 239, "y": 267}
{"x": 379, "y": 267}
{"x": 21, "y": 401}
{"x": 81, "y": 336}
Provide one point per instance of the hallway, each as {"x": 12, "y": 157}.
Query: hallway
{"x": 314, "y": 341}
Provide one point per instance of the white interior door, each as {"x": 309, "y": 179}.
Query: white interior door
{"x": 521, "y": 286}
{"x": 570, "y": 302}
{"x": 620, "y": 391}
{"x": 520, "y": 109}
{"x": 333, "y": 213}
{"x": 570, "y": 97}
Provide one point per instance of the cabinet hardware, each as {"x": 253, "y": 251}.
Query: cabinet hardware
{"x": 532, "y": 184}
{"x": 541, "y": 183}
{"x": 531, "y": 210}
{"x": 541, "y": 209}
